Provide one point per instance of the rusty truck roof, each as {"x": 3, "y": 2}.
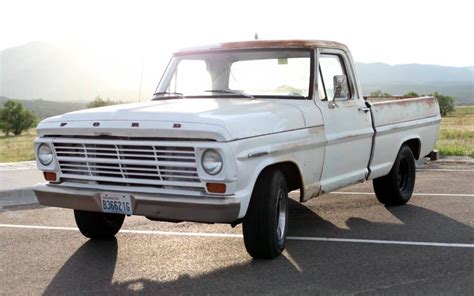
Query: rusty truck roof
{"x": 253, "y": 44}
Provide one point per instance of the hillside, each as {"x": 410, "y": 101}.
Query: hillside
{"x": 463, "y": 93}
{"x": 423, "y": 79}
{"x": 43, "y": 109}
{"x": 69, "y": 72}
{"x": 79, "y": 73}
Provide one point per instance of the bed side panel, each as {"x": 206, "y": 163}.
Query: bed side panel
{"x": 399, "y": 121}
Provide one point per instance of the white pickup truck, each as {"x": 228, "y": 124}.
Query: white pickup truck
{"x": 231, "y": 129}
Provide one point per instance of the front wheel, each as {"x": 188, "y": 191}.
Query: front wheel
{"x": 265, "y": 224}
{"x": 396, "y": 188}
{"x": 97, "y": 225}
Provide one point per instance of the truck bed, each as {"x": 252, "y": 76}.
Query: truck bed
{"x": 397, "y": 120}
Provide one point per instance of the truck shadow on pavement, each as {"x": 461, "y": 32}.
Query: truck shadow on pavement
{"x": 305, "y": 267}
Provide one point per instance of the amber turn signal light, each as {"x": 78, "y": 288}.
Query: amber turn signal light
{"x": 216, "y": 187}
{"x": 50, "y": 176}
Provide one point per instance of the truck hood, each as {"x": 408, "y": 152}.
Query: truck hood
{"x": 227, "y": 119}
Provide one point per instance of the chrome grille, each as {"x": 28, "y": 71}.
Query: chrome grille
{"x": 156, "y": 164}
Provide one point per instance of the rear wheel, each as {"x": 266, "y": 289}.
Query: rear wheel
{"x": 396, "y": 188}
{"x": 98, "y": 225}
{"x": 266, "y": 222}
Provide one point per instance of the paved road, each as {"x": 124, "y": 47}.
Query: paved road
{"x": 344, "y": 243}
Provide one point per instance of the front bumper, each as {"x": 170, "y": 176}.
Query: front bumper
{"x": 208, "y": 209}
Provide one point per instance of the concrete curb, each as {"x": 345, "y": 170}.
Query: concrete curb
{"x": 27, "y": 162}
{"x": 449, "y": 160}
{"x": 16, "y": 197}
{"x": 17, "y": 165}
{"x": 454, "y": 159}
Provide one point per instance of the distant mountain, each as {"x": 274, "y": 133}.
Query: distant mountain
{"x": 457, "y": 82}
{"x": 43, "y": 109}
{"x": 79, "y": 73}
{"x": 68, "y": 73}
{"x": 462, "y": 93}
{"x": 413, "y": 73}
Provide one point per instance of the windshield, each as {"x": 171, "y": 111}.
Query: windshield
{"x": 244, "y": 73}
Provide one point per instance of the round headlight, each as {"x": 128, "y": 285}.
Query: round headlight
{"x": 45, "y": 154}
{"x": 212, "y": 162}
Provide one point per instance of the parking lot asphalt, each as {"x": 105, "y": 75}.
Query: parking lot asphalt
{"x": 339, "y": 243}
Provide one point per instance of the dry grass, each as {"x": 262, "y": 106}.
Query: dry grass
{"x": 17, "y": 148}
{"x": 457, "y": 133}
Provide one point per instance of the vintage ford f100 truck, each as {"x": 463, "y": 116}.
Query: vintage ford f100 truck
{"x": 231, "y": 129}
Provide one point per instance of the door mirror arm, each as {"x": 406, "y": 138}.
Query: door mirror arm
{"x": 332, "y": 104}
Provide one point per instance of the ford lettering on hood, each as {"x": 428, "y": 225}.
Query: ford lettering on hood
{"x": 221, "y": 117}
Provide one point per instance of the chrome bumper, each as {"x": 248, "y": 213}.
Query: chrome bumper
{"x": 208, "y": 209}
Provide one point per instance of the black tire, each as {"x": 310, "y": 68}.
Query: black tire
{"x": 98, "y": 225}
{"x": 396, "y": 188}
{"x": 266, "y": 222}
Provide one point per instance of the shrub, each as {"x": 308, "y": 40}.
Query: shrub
{"x": 14, "y": 119}
{"x": 379, "y": 93}
{"x": 99, "y": 102}
{"x": 411, "y": 94}
{"x": 446, "y": 103}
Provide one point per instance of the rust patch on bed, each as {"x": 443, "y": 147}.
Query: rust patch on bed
{"x": 401, "y": 101}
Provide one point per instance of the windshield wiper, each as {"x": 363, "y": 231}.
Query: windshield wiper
{"x": 166, "y": 94}
{"x": 228, "y": 91}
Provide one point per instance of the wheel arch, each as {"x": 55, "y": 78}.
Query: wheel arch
{"x": 290, "y": 170}
{"x": 415, "y": 146}
{"x": 292, "y": 174}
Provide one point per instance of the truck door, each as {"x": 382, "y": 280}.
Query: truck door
{"x": 347, "y": 121}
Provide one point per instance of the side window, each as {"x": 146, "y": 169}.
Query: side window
{"x": 331, "y": 65}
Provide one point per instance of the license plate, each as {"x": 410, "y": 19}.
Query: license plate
{"x": 117, "y": 203}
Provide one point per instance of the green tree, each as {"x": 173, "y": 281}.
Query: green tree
{"x": 446, "y": 103}
{"x": 379, "y": 93}
{"x": 411, "y": 94}
{"x": 14, "y": 119}
{"x": 99, "y": 102}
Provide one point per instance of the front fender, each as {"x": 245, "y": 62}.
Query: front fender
{"x": 304, "y": 148}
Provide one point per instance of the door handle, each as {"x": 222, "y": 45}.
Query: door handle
{"x": 364, "y": 109}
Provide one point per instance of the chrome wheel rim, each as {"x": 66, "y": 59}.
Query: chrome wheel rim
{"x": 281, "y": 215}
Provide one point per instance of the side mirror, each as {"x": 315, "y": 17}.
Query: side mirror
{"x": 340, "y": 87}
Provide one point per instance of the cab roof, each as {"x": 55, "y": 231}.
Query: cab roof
{"x": 255, "y": 44}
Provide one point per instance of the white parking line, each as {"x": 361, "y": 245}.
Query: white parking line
{"x": 230, "y": 235}
{"x": 9, "y": 169}
{"x": 416, "y": 194}
{"x": 38, "y": 227}
{"x": 384, "y": 242}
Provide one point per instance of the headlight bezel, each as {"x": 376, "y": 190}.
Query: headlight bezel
{"x": 212, "y": 153}
{"x": 38, "y": 154}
